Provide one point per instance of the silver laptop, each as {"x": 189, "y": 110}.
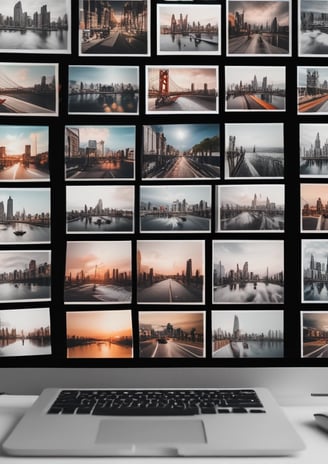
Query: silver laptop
{"x": 154, "y": 422}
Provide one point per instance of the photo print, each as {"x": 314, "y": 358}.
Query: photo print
{"x": 313, "y": 150}
{"x": 184, "y": 29}
{"x": 314, "y": 271}
{"x": 258, "y": 28}
{"x": 99, "y": 334}
{"x": 172, "y": 334}
{"x": 25, "y": 332}
{"x": 181, "y": 151}
{"x": 313, "y": 28}
{"x": 99, "y": 209}
{"x": 248, "y": 272}
{"x": 247, "y": 334}
{"x": 175, "y": 208}
{"x": 314, "y": 334}
{"x": 255, "y": 88}
{"x": 100, "y": 152}
{"x": 25, "y": 216}
{"x": 114, "y": 28}
{"x": 254, "y": 151}
{"x": 103, "y": 90}
{"x": 182, "y": 89}
{"x": 25, "y": 275}
{"x": 314, "y": 208}
{"x": 98, "y": 272}
{"x": 312, "y": 94}
{"x": 250, "y": 208}
{"x": 170, "y": 271}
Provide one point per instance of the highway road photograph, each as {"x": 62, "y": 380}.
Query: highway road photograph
{"x": 314, "y": 334}
{"x": 312, "y": 92}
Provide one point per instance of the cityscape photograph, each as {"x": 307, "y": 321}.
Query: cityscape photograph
{"x": 103, "y": 89}
{"x": 313, "y": 28}
{"x": 25, "y": 215}
{"x": 182, "y": 208}
{"x": 255, "y": 88}
{"x": 314, "y": 334}
{"x": 25, "y": 275}
{"x": 259, "y": 28}
{"x": 172, "y": 334}
{"x": 314, "y": 207}
{"x": 182, "y": 89}
{"x": 248, "y": 334}
{"x": 25, "y": 332}
{"x": 188, "y": 29}
{"x": 181, "y": 151}
{"x": 313, "y": 150}
{"x": 250, "y": 208}
{"x": 99, "y": 152}
{"x": 99, "y": 334}
{"x": 35, "y": 26}
{"x": 314, "y": 271}
{"x": 312, "y": 90}
{"x": 248, "y": 271}
{"x": 114, "y": 28}
{"x": 98, "y": 272}
{"x": 29, "y": 89}
{"x": 254, "y": 151}
{"x": 99, "y": 209}
{"x": 170, "y": 271}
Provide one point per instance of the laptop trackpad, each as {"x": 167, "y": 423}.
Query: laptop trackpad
{"x": 151, "y": 431}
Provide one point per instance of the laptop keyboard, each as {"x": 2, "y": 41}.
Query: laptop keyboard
{"x": 156, "y": 402}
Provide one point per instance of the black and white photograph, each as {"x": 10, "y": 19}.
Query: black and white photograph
{"x": 248, "y": 334}
{"x": 254, "y": 151}
{"x": 312, "y": 92}
{"x": 314, "y": 334}
{"x": 250, "y": 208}
{"x": 255, "y": 88}
{"x": 314, "y": 271}
{"x": 248, "y": 272}
{"x": 186, "y": 29}
{"x": 182, "y": 89}
{"x": 259, "y": 28}
{"x": 313, "y": 150}
{"x": 314, "y": 207}
{"x": 313, "y": 28}
{"x": 114, "y": 28}
{"x": 99, "y": 209}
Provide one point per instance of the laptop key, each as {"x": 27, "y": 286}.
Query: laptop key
{"x": 145, "y": 411}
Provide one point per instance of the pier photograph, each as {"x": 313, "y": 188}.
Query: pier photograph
{"x": 248, "y": 334}
{"x": 312, "y": 90}
{"x": 103, "y": 89}
{"x": 99, "y": 334}
{"x": 314, "y": 334}
{"x": 99, "y": 209}
{"x": 177, "y": 208}
{"x": 259, "y": 28}
{"x": 170, "y": 271}
{"x": 255, "y": 88}
{"x": 25, "y": 332}
{"x": 314, "y": 208}
{"x": 188, "y": 29}
{"x": 314, "y": 271}
{"x": 313, "y": 28}
{"x": 98, "y": 272}
{"x": 248, "y": 271}
{"x": 313, "y": 150}
{"x": 172, "y": 334}
{"x": 254, "y": 151}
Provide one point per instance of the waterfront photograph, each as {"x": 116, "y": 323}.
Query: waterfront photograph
{"x": 25, "y": 332}
{"x": 177, "y": 208}
{"x": 171, "y": 271}
{"x": 248, "y": 334}
{"x": 314, "y": 271}
{"x": 313, "y": 28}
{"x": 250, "y": 208}
{"x": 313, "y": 150}
{"x": 314, "y": 334}
{"x": 103, "y": 89}
{"x": 248, "y": 271}
{"x": 254, "y": 151}
{"x": 99, "y": 334}
{"x": 181, "y": 151}
{"x": 314, "y": 208}
{"x": 188, "y": 29}
{"x": 29, "y": 89}
{"x": 114, "y": 28}
{"x": 172, "y": 334}
{"x": 100, "y": 152}
{"x": 99, "y": 209}
{"x": 259, "y": 28}
{"x": 255, "y": 88}
{"x": 35, "y": 26}
{"x": 312, "y": 90}
{"x": 182, "y": 89}
{"x": 98, "y": 272}
{"x": 24, "y": 215}
{"x": 25, "y": 275}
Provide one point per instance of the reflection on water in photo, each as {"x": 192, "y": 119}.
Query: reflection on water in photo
{"x": 24, "y": 347}
{"x": 249, "y": 293}
{"x": 33, "y": 40}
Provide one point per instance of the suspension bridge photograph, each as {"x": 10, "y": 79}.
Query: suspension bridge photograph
{"x": 312, "y": 91}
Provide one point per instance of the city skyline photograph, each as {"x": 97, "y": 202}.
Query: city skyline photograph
{"x": 314, "y": 334}
{"x": 312, "y": 28}
{"x": 314, "y": 271}
{"x": 313, "y": 150}
{"x": 314, "y": 207}
{"x": 312, "y": 97}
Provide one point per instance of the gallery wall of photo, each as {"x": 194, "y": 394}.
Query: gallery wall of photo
{"x": 163, "y": 183}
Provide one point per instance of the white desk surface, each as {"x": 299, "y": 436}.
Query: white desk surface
{"x": 316, "y": 440}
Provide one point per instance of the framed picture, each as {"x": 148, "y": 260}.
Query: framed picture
{"x": 311, "y": 90}
{"x": 314, "y": 334}
{"x": 312, "y": 28}
{"x": 313, "y": 150}
{"x": 314, "y": 207}
{"x": 314, "y": 271}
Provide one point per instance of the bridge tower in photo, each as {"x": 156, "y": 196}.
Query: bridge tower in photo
{"x": 164, "y": 81}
